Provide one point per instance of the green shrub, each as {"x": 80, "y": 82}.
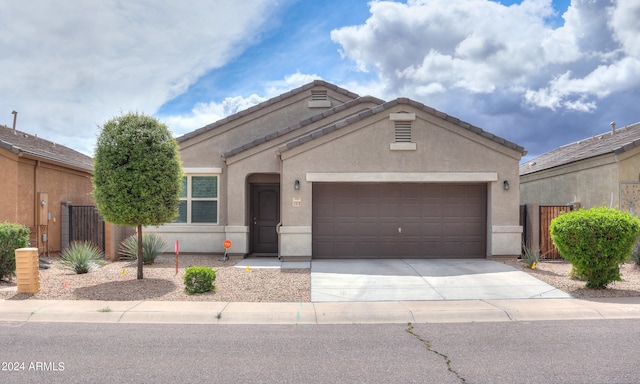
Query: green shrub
{"x": 82, "y": 257}
{"x": 12, "y": 237}
{"x": 595, "y": 241}
{"x": 199, "y": 279}
{"x": 152, "y": 246}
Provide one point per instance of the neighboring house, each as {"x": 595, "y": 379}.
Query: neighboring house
{"x": 40, "y": 180}
{"x": 602, "y": 170}
{"x": 319, "y": 172}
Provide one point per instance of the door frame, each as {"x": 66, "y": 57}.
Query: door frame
{"x": 252, "y": 208}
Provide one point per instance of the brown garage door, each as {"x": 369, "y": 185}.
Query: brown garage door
{"x": 389, "y": 220}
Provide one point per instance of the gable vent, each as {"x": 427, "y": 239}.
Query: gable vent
{"x": 403, "y": 132}
{"x": 319, "y": 99}
{"x": 319, "y": 95}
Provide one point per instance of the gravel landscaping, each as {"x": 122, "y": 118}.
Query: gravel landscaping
{"x": 117, "y": 281}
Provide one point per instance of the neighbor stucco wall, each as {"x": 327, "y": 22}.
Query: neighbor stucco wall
{"x": 591, "y": 182}
{"x": 9, "y": 180}
{"x": 23, "y": 178}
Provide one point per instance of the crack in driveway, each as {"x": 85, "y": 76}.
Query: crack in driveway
{"x": 427, "y": 344}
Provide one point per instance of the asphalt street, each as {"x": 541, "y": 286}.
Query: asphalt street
{"x": 585, "y": 351}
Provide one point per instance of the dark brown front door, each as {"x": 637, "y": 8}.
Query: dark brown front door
{"x": 265, "y": 215}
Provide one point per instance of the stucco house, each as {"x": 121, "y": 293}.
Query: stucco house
{"x": 602, "y": 170}
{"x": 41, "y": 180}
{"x": 320, "y": 172}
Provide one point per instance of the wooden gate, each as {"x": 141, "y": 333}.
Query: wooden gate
{"x": 547, "y": 213}
{"x": 86, "y": 224}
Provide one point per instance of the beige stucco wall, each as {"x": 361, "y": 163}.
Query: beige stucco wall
{"x": 206, "y": 150}
{"x": 592, "y": 182}
{"x": 442, "y": 150}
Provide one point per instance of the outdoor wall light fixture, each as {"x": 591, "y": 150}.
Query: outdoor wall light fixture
{"x": 505, "y": 185}
{"x": 296, "y": 185}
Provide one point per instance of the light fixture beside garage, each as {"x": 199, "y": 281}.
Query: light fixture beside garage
{"x": 505, "y": 185}
{"x": 296, "y": 185}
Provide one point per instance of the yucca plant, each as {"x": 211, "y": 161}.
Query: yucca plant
{"x": 530, "y": 257}
{"x": 82, "y": 257}
{"x": 152, "y": 246}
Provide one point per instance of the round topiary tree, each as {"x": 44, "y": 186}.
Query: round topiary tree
{"x": 137, "y": 174}
{"x": 595, "y": 241}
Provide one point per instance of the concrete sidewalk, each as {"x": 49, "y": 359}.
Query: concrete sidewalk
{"x": 450, "y": 311}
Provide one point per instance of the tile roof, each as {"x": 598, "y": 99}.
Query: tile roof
{"x": 405, "y": 101}
{"x": 265, "y": 104}
{"x": 622, "y": 140}
{"x": 20, "y": 142}
{"x": 298, "y": 125}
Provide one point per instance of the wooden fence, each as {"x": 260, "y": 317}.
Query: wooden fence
{"x": 86, "y": 224}
{"x": 546, "y": 213}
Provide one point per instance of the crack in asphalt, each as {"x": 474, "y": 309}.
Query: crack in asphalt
{"x": 427, "y": 344}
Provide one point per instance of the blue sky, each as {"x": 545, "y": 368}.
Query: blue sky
{"x": 540, "y": 73}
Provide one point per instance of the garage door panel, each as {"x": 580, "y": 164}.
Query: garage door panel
{"x": 436, "y": 220}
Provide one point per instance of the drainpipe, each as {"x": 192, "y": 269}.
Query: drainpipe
{"x": 35, "y": 204}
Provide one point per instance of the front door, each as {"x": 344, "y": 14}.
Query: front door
{"x": 265, "y": 216}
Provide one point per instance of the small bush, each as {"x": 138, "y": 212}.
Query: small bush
{"x": 595, "y": 241}
{"x": 12, "y": 237}
{"x": 82, "y": 257}
{"x": 152, "y": 246}
{"x": 199, "y": 279}
{"x": 530, "y": 257}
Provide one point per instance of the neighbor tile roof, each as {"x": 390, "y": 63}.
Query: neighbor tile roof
{"x": 265, "y": 104}
{"x": 622, "y": 140}
{"x": 20, "y": 142}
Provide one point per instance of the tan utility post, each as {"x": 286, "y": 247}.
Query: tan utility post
{"x": 27, "y": 273}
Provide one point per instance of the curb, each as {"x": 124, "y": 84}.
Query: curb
{"x": 180, "y": 312}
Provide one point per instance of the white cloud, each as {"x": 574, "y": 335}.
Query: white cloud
{"x": 207, "y": 113}
{"x": 70, "y": 65}
{"x": 428, "y": 47}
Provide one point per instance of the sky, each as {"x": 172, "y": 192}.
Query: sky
{"x": 539, "y": 73}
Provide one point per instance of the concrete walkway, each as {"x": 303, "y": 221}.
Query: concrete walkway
{"x": 317, "y": 313}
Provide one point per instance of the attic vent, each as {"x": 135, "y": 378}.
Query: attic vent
{"x": 319, "y": 99}
{"x": 403, "y": 132}
{"x": 403, "y": 140}
{"x": 319, "y": 95}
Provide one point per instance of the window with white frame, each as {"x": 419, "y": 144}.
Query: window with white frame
{"x": 198, "y": 200}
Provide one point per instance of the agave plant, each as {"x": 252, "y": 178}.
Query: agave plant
{"x": 82, "y": 257}
{"x": 530, "y": 257}
{"x": 152, "y": 246}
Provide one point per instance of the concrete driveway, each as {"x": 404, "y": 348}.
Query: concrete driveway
{"x": 416, "y": 279}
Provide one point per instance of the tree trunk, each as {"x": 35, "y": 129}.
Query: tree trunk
{"x": 140, "y": 257}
